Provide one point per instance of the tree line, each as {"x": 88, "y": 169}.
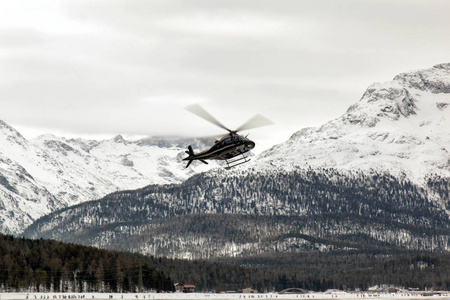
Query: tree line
{"x": 356, "y": 270}
{"x": 316, "y": 271}
{"x": 51, "y": 266}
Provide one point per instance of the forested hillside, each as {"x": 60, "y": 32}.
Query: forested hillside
{"x": 46, "y": 266}
{"x": 251, "y": 213}
{"x": 354, "y": 270}
{"x": 50, "y": 266}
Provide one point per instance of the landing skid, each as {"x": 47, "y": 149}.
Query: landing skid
{"x": 236, "y": 162}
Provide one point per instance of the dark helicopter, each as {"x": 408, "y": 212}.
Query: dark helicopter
{"x": 229, "y": 146}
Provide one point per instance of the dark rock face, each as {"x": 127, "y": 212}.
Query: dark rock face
{"x": 428, "y": 80}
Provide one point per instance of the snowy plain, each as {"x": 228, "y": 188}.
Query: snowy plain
{"x": 444, "y": 295}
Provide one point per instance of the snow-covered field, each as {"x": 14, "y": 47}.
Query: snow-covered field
{"x": 226, "y": 296}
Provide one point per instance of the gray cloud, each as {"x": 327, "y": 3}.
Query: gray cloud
{"x": 108, "y": 67}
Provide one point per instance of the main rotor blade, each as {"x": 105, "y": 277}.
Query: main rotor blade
{"x": 202, "y": 113}
{"x": 256, "y": 121}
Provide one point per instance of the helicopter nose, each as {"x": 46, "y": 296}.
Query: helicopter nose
{"x": 250, "y": 145}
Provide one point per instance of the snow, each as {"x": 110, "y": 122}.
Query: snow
{"x": 50, "y": 172}
{"x": 394, "y": 128}
{"x": 335, "y": 294}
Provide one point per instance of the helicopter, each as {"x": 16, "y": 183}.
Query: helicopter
{"x": 230, "y": 147}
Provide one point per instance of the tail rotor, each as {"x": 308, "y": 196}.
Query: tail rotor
{"x": 192, "y": 156}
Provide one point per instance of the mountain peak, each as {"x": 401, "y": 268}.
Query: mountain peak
{"x": 401, "y": 126}
{"x": 47, "y": 137}
{"x": 119, "y": 139}
{"x": 11, "y": 135}
{"x": 382, "y": 100}
{"x": 435, "y": 79}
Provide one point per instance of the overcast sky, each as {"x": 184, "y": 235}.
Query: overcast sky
{"x": 101, "y": 68}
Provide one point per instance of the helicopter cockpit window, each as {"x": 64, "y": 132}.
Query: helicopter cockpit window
{"x": 238, "y": 138}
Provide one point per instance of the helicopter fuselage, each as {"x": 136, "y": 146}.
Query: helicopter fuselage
{"x": 226, "y": 148}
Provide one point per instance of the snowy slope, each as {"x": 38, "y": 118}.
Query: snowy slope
{"x": 23, "y": 194}
{"x": 400, "y": 126}
{"x": 49, "y": 172}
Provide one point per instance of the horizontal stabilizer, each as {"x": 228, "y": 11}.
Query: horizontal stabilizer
{"x": 188, "y": 163}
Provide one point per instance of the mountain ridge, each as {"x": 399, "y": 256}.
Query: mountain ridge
{"x": 401, "y": 126}
{"x": 47, "y": 173}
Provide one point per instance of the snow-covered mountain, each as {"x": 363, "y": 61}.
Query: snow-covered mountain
{"x": 401, "y": 126}
{"x": 377, "y": 176}
{"x": 47, "y": 173}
